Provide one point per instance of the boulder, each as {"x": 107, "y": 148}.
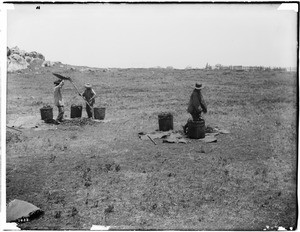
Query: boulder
{"x": 28, "y": 59}
{"x": 15, "y": 61}
{"x": 22, "y": 53}
{"x": 36, "y": 55}
{"x": 40, "y": 56}
{"x": 15, "y": 50}
{"x": 14, "y": 65}
{"x": 47, "y": 64}
{"x": 8, "y": 51}
{"x": 35, "y": 63}
{"x": 17, "y": 58}
{"x": 33, "y": 54}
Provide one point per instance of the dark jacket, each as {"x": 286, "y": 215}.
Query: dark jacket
{"x": 89, "y": 95}
{"x": 196, "y": 103}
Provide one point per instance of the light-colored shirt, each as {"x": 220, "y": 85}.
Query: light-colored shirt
{"x": 58, "y": 101}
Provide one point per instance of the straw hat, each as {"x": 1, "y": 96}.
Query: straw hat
{"x": 198, "y": 86}
{"x": 88, "y": 85}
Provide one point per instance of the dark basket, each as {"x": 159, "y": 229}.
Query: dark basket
{"x": 99, "y": 113}
{"x": 165, "y": 121}
{"x": 46, "y": 113}
{"x": 196, "y": 129}
{"x": 76, "y": 111}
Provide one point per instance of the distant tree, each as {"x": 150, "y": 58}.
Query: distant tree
{"x": 218, "y": 66}
{"x": 169, "y": 67}
{"x": 188, "y": 67}
{"x": 208, "y": 67}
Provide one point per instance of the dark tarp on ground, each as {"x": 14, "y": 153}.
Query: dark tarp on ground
{"x": 176, "y": 137}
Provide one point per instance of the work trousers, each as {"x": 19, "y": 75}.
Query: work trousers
{"x": 89, "y": 110}
{"x": 60, "y": 113}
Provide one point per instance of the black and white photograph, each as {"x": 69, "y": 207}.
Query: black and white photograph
{"x": 150, "y": 116}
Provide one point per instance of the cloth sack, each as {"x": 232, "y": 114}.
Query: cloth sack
{"x": 18, "y": 209}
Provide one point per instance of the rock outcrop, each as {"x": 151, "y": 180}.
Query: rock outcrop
{"x": 48, "y": 63}
{"x": 18, "y": 59}
{"x": 16, "y": 62}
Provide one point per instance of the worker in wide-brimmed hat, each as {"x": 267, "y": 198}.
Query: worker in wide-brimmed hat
{"x": 89, "y": 95}
{"x": 196, "y": 105}
{"x": 58, "y": 100}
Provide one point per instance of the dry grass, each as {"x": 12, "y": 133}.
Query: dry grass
{"x": 104, "y": 174}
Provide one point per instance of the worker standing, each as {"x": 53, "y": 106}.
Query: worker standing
{"x": 58, "y": 100}
{"x": 89, "y": 95}
{"x": 197, "y": 105}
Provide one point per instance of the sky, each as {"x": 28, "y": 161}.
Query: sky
{"x": 151, "y": 35}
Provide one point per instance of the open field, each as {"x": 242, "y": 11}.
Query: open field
{"x": 103, "y": 174}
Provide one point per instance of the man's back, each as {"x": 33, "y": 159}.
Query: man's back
{"x": 196, "y": 100}
{"x": 58, "y": 101}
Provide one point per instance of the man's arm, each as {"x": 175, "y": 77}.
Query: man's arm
{"x": 61, "y": 84}
{"x": 203, "y": 104}
{"x": 94, "y": 94}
